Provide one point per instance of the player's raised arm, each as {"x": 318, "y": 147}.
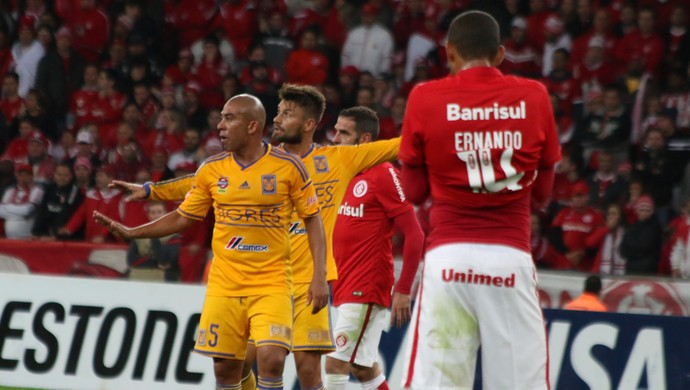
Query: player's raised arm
{"x": 408, "y": 225}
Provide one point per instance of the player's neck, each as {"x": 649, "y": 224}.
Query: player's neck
{"x": 250, "y": 153}
{"x": 299, "y": 149}
{"x": 474, "y": 64}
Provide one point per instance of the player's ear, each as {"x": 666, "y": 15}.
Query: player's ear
{"x": 311, "y": 125}
{"x": 499, "y": 55}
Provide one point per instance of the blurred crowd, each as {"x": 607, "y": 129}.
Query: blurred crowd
{"x": 96, "y": 90}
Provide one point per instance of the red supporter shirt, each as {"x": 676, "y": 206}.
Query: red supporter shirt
{"x": 636, "y": 47}
{"x": 482, "y": 136}
{"x": 577, "y": 226}
{"x": 362, "y": 237}
{"x": 90, "y": 32}
{"x": 81, "y": 104}
{"x": 10, "y": 109}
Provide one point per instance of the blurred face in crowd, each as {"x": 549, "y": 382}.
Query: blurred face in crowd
{"x": 91, "y": 76}
{"x": 168, "y": 100}
{"x": 24, "y": 178}
{"x": 131, "y": 114}
{"x": 45, "y": 37}
{"x": 275, "y": 22}
{"x": 612, "y": 100}
{"x": 82, "y": 174}
{"x": 559, "y": 61}
{"x": 644, "y": 212}
{"x": 63, "y": 44}
{"x": 62, "y": 176}
{"x": 231, "y": 87}
{"x": 627, "y": 16}
{"x": 601, "y": 21}
{"x": 104, "y": 82}
{"x": 606, "y": 162}
{"x": 191, "y": 140}
{"x": 130, "y": 152}
{"x": 25, "y": 128}
{"x": 645, "y": 22}
{"x": 213, "y": 118}
{"x": 665, "y": 125}
{"x": 366, "y": 79}
{"x": 365, "y": 98}
{"x": 210, "y": 50}
{"x": 159, "y": 160}
{"x": 398, "y": 107}
{"x": 584, "y": 8}
{"x": 155, "y": 210}
{"x": 613, "y": 216}
{"x": 88, "y": 4}
{"x": 654, "y": 140}
{"x": 35, "y": 149}
{"x": 124, "y": 134}
{"x": 309, "y": 40}
{"x": 10, "y": 86}
{"x": 517, "y": 35}
{"x": 103, "y": 179}
{"x": 290, "y": 123}
{"x": 26, "y": 36}
{"x": 678, "y": 17}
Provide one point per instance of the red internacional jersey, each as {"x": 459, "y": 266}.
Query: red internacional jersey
{"x": 362, "y": 244}
{"x": 482, "y": 136}
{"x": 577, "y": 226}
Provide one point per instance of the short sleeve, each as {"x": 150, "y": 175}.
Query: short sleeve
{"x": 412, "y": 144}
{"x": 390, "y": 194}
{"x": 302, "y": 192}
{"x": 198, "y": 200}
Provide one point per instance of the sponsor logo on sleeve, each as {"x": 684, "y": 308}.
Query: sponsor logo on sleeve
{"x": 360, "y": 189}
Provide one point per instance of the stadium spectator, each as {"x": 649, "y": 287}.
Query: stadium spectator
{"x": 106, "y": 109}
{"x": 607, "y": 186}
{"x": 159, "y": 165}
{"x": 601, "y": 27}
{"x": 307, "y": 65}
{"x": 521, "y": 58}
{"x": 83, "y": 99}
{"x": 99, "y": 198}
{"x": 209, "y": 73}
{"x": 571, "y": 228}
{"x": 83, "y": 170}
{"x": 677, "y": 39}
{"x": 90, "y": 28}
{"x": 5, "y": 49}
{"x": 26, "y": 53}
{"x": 593, "y": 71}
{"x": 166, "y": 132}
{"x": 555, "y": 38}
{"x": 162, "y": 253}
{"x": 195, "y": 114}
{"x": 180, "y": 72}
{"x": 38, "y": 158}
{"x": 60, "y": 73}
{"x": 643, "y": 45}
{"x": 190, "y": 19}
{"x": 61, "y": 199}
{"x": 237, "y": 20}
{"x": 658, "y": 169}
{"x": 130, "y": 163}
{"x": 589, "y": 300}
{"x": 276, "y": 41}
{"x": 608, "y": 128}
{"x": 641, "y": 244}
{"x": 607, "y": 239}
{"x": 369, "y": 46}
{"x": 19, "y": 203}
{"x": 18, "y": 148}
{"x": 191, "y": 151}
{"x": 10, "y": 101}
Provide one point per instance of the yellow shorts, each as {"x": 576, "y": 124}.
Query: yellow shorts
{"x": 227, "y": 322}
{"x": 312, "y": 332}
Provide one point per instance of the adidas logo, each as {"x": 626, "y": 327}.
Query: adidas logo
{"x": 244, "y": 186}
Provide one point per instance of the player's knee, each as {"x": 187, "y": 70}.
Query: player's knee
{"x": 271, "y": 365}
{"x": 227, "y": 370}
{"x": 335, "y": 366}
{"x": 364, "y": 374}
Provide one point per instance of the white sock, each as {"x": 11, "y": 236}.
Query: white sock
{"x": 374, "y": 383}
{"x": 336, "y": 381}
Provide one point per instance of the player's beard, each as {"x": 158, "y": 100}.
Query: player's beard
{"x": 290, "y": 139}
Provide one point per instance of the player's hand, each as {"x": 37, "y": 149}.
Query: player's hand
{"x": 117, "y": 229}
{"x": 318, "y": 295}
{"x": 136, "y": 191}
{"x": 400, "y": 309}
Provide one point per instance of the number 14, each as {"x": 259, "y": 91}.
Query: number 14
{"x": 481, "y": 172}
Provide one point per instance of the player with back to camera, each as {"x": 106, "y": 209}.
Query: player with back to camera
{"x": 484, "y": 146}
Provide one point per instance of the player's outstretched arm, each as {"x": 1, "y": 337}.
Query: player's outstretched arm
{"x": 318, "y": 288}
{"x": 408, "y": 224}
{"x": 415, "y": 183}
{"x": 136, "y": 191}
{"x": 166, "y": 225}
{"x": 168, "y": 190}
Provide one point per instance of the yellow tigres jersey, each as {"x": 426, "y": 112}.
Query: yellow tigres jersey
{"x": 252, "y": 206}
{"x": 331, "y": 169}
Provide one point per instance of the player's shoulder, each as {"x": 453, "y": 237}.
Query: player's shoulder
{"x": 289, "y": 159}
{"x": 216, "y": 158}
{"x": 526, "y": 84}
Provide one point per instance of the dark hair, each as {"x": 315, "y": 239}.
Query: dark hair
{"x": 306, "y": 97}
{"x": 475, "y": 35}
{"x": 593, "y": 284}
{"x": 563, "y": 51}
{"x": 13, "y": 75}
{"x": 366, "y": 120}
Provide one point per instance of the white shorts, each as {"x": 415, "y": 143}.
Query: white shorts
{"x": 472, "y": 295}
{"x": 358, "y": 332}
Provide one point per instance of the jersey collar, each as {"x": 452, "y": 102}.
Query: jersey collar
{"x": 266, "y": 151}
